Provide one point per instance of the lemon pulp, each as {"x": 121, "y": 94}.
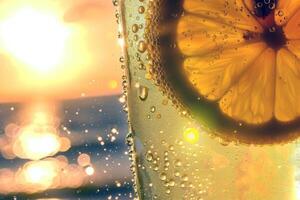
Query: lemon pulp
{"x": 246, "y": 61}
{"x": 230, "y": 65}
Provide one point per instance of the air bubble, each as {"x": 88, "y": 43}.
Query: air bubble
{"x": 280, "y": 13}
{"x": 185, "y": 178}
{"x": 272, "y": 6}
{"x": 135, "y": 28}
{"x": 141, "y": 9}
{"x": 178, "y": 163}
{"x": 153, "y": 109}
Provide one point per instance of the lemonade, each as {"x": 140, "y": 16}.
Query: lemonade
{"x": 212, "y": 89}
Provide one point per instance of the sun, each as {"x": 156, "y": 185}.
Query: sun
{"x": 35, "y": 38}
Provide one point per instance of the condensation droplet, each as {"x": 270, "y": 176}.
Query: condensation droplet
{"x": 178, "y": 163}
{"x": 153, "y": 109}
{"x": 149, "y": 156}
{"x": 168, "y": 191}
{"x": 135, "y": 28}
{"x": 143, "y": 93}
{"x": 171, "y": 183}
{"x": 141, "y": 9}
{"x": 176, "y": 173}
{"x": 163, "y": 176}
{"x": 185, "y": 178}
{"x": 142, "y": 46}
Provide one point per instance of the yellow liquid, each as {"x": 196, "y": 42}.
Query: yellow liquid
{"x": 176, "y": 156}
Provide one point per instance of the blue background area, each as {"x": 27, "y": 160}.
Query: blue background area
{"x": 98, "y": 115}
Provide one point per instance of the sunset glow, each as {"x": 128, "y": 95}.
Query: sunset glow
{"x": 57, "y": 50}
{"x": 41, "y": 173}
{"x": 37, "y": 145}
{"x": 36, "y": 176}
{"x": 36, "y": 139}
{"x": 41, "y": 45}
{"x": 53, "y": 53}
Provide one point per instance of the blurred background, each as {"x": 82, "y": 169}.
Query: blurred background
{"x": 62, "y": 126}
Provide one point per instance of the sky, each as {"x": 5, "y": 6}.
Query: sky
{"x": 58, "y": 50}
{"x": 52, "y": 51}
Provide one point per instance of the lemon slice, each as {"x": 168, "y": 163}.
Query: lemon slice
{"x": 247, "y": 63}
{"x": 285, "y": 10}
{"x": 233, "y": 66}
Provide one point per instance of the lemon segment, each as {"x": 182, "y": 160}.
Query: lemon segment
{"x": 292, "y": 28}
{"x": 287, "y": 104}
{"x": 251, "y": 99}
{"x": 249, "y": 65}
{"x": 230, "y": 12}
{"x": 197, "y": 36}
{"x": 285, "y": 10}
{"x": 213, "y": 74}
{"x": 294, "y": 47}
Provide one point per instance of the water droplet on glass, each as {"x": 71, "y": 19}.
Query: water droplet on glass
{"x": 143, "y": 93}
{"x": 149, "y": 156}
{"x": 163, "y": 176}
{"x": 141, "y": 9}
{"x": 135, "y": 28}
{"x": 153, "y": 109}
{"x": 142, "y": 46}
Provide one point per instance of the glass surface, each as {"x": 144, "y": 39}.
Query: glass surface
{"x": 212, "y": 98}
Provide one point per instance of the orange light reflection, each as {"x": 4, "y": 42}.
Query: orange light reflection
{"x": 37, "y": 139}
{"x": 57, "y": 49}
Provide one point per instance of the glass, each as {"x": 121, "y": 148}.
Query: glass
{"x": 185, "y": 142}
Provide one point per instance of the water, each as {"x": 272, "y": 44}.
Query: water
{"x": 90, "y": 132}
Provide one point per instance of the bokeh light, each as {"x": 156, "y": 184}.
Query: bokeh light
{"x": 45, "y": 29}
{"x": 89, "y": 170}
{"x": 36, "y": 140}
{"x": 41, "y": 175}
{"x": 84, "y": 160}
{"x": 191, "y": 135}
{"x": 35, "y": 145}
